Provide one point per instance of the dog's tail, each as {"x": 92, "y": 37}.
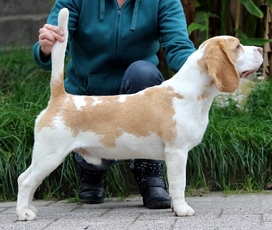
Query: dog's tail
{"x": 58, "y": 56}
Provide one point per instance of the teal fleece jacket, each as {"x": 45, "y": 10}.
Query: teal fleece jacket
{"x": 105, "y": 39}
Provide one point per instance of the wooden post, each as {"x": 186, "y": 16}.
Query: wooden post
{"x": 237, "y": 17}
{"x": 189, "y": 10}
{"x": 267, "y": 63}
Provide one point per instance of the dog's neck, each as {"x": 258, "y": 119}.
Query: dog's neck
{"x": 191, "y": 80}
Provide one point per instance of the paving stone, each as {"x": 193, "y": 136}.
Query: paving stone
{"x": 213, "y": 212}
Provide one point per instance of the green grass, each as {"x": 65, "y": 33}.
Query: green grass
{"x": 235, "y": 154}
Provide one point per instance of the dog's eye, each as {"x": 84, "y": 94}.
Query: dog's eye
{"x": 238, "y": 46}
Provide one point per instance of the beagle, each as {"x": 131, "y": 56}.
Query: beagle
{"x": 162, "y": 122}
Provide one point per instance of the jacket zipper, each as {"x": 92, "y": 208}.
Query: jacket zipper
{"x": 117, "y": 34}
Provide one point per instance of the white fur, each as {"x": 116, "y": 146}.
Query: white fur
{"x": 79, "y": 102}
{"x": 122, "y": 98}
{"x": 194, "y": 91}
{"x": 96, "y": 100}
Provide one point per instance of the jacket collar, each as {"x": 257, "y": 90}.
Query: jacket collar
{"x": 134, "y": 15}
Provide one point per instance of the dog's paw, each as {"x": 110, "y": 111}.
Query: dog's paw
{"x": 33, "y": 208}
{"x": 183, "y": 210}
{"x": 27, "y": 213}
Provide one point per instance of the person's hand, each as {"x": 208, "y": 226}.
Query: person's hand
{"x": 48, "y": 35}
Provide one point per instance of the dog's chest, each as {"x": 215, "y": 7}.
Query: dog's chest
{"x": 191, "y": 121}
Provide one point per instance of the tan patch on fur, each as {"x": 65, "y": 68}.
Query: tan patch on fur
{"x": 46, "y": 119}
{"x": 140, "y": 115}
{"x": 57, "y": 97}
{"x": 210, "y": 84}
{"x": 178, "y": 96}
{"x": 202, "y": 96}
{"x": 57, "y": 87}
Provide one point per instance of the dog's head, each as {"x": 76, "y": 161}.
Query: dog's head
{"x": 226, "y": 61}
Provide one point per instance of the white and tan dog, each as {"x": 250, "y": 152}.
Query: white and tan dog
{"x": 162, "y": 122}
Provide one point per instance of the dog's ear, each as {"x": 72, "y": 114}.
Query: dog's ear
{"x": 220, "y": 67}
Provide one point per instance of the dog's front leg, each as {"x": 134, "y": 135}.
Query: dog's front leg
{"x": 176, "y": 161}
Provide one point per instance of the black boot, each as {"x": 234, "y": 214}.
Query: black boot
{"x": 148, "y": 174}
{"x": 91, "y": 185}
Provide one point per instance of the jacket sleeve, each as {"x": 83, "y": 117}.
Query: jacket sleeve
{"x": 173, "y": 31}
{"x": 74, "y": 8}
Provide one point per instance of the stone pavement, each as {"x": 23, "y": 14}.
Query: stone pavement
{"x": 213, "y": 211}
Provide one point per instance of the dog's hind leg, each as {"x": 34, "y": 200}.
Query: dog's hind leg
{"x": 43, "y": 163}
{"x": 22, "y": 179}
{"x": 176, "y": 161}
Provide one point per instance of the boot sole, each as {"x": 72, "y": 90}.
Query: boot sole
{"x": 159, "y": 205}
{"x": 92, "y": 201}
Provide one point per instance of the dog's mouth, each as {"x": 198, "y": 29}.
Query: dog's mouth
{"x": 247, "y": 73}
